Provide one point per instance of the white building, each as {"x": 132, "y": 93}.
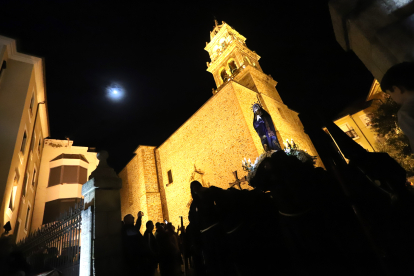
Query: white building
{"x": 23, "y": 125}
{"x": 63, "y": 171}
{"x": 27, "y": 158}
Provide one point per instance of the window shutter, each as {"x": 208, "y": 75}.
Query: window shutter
{"x": 25, "y": 179}
{"x": 54, "y": 176}
{"x": 70, "y": 174}
{"x": 23, "y": 142}
{"x": 83, "y": 175}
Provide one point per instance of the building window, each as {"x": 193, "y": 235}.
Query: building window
{"x": 24, "y": 142}
{"x": 27, "y": 218}
{"x": 223, "y": 75}
{"x": 170, "y": 178}
{"x": 67, "y": 175}
{"x": 25, "y": 182}
{"x": 12, "y": 198}
{"x": 39, "y": 145}
{"x": 12, "y": 201}
{"x": 34, "y": 177}
{"x": 349, "y": 131}
{"x": 366, "y": 119}
{"x": 31, "y": 104}
{"x": 32, "y": 143}
{"x": 54, "y": 208}
{"x": 232, "y": 66}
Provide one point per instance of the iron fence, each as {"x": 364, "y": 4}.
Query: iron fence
{"x": 56, "y": 245}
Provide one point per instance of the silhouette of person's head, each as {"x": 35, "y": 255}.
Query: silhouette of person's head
{"x": 195, "y": 187}
{"x": 129, "y": 219}
{"x": 7, "y": 227}
{"x": 398, "y": 82}
{"x": 150, "y": 225}
{"x": 169, "y": 227}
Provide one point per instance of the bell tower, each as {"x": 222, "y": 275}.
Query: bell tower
{"x": 231, "y": 60}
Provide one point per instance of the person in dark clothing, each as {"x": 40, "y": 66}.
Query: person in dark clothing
{"x": 172, "y": 251}
{"x": 157, "y": 229}
{"x": 134, "y": 248}
{"x": 194, "y": 239}
{"x": 167, "y": 252}
{"x": 204, "y": 212}
{"x": 149, "y": 239}
{"x": 399, "y": 84}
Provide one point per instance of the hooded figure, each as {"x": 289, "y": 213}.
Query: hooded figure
{"x": 263, "y": 124}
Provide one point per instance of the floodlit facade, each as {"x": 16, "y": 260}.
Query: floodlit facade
{"x": 355, "y": 120}
{"x": 212, "y": 143}
{"x": 23, "y": 127}
{"x": 62, "y": 172}
{"x": 28, "y": 197}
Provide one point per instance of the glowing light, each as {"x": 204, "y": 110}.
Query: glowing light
{"x": 115, "y": 92}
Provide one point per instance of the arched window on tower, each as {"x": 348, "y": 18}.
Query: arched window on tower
{"x": 223, "y": 75}
{"x": 232, "y": 65}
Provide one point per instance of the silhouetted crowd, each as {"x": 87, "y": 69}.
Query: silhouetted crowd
{"x": 295, "y": 221}
{"x": 145, "y": 253}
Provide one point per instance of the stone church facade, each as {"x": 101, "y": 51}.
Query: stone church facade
{"x": 212, "y": 143}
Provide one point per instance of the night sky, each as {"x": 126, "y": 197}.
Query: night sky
{"x": 155, "y": 50}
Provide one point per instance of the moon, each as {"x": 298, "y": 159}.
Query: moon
{"x": 115, "y": 92}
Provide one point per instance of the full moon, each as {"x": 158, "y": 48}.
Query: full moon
{"x": 115, "y": 92}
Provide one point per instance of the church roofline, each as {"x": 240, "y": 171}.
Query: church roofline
{"x": 212, "y": 97}
{"x": 135, "y": 151}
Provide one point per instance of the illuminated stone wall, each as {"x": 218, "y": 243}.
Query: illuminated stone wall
{"x": 289, "y": 126}
{"x": 214, "y": 140}
{"x": 211, "y": 144}
{"x": 140, "y": 190}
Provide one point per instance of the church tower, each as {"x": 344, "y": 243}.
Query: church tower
{"x": 231, "y": 59}
{"x": 211, "y": 144}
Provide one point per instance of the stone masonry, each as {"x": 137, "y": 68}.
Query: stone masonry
{"x": 211, "y": 144}
{"x": 141, "y": 191}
